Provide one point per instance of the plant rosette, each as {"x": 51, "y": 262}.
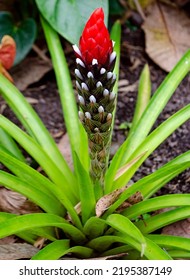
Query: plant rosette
{"x": 98, "y": 213}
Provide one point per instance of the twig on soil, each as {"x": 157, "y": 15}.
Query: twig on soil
{"x": 139, "y": 9}
{"x": 41, "y": 54}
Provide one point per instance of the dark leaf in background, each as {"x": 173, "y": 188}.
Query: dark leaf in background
{"x": 24, "y": 33}
{"x": 115, "y": 8}
{"x": 69, "y": 17}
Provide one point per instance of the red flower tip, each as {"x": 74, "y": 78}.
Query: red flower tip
{"x": 95, "y": 41}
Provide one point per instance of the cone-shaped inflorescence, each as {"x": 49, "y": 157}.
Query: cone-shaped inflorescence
{"x": 94, "y": 81}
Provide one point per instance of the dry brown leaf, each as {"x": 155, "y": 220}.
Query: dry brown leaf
{"x": 167, "y": 31}
{"x": 29, "y": 71}
{"x": 180, "y": 228}
{"x": 64, "y": 147}
{"x": 32, "y": 100}
{"x": 105, "y": 201}
{"x": 128, "y": 88}
{"x": 13, "y": 202}
{"x": 17, "y": 251}
{"x": 135, "y": 198}
{"x": 8, "y": 240}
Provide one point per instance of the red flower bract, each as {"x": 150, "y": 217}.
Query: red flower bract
{"x": 7, "y": 51}
{"x": 95, "y": 41}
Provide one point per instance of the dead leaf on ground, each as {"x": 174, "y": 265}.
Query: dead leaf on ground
{"x": 29, "y": 71}
{"x": 8, "y": 240}
{"x": 17, "y": 251}
{"x": 111, "y": 257}
{"x": 167, "y": 32}
{"x": 128, "y": 88}
{"x": 13, "y": 202}
{"x": 180, "y": 228}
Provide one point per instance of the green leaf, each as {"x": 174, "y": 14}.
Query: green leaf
{"x": 24, "y": 33}
{"x": 69, "y": 17}
{"x": 34, "y": 125}
{"x": 10, "y": 145}
{"x": 46, "y": 202}
{"x": 115, "y": 35}
{"x": 158, "y": 221}
{"x": 30, "y": 235}
{"x": 152, "y": 251}
{"x": 33, "y": 148}
{"x": 115, "y": 8}
{"x": 166, "y": 173}
{"x": 86, "y": 191}
{"x": 153, "y": 140}
{"x": 153, "y": 182}
{"x": 125, "y": 226}
{"x": 26, "y": 172}
{"x": 40, "y": 182}
{"x": 143, "y": 97}
{"x": 154, "y": 108}
{"x": 102, "y": 243}
{"x": 179, "y": 254}
{"x": 31, "y": 221}
{"x": 78, "y": 144}
{"x": 170, "y": 241}
{"x": 94, "y": 227}
{"x": 156, "y": 203}
{"x": 52, "y": 251}
{"x": 59, "y": 248}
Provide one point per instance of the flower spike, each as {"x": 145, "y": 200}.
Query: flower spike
{"x": 95, "y": 80}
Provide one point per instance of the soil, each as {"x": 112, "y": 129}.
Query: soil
{"x": 133, "y": 58}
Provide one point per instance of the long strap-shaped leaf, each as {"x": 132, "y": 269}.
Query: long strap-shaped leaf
{"x": 170, "y": 241}
{"x": 64, "y": 190}
{"x": 34, "y": 149}
{"x": 27, "y": 173}
{"x": 33, "y": 124}
{"x": 152, "y": 251}
{"x": 38, "y": 182}
{"x": 94, "y": 227}
{"x": 10, "y": 145}
{"x": 38, "y": 220}
{"x": 78, "y": 141}
{"x": 153, "y": 141}
{"x": 152, "y": 182}
{"x": 154, "y": 108}
{"x": 86, "y": 191}
{"x": 53, "y": 251}
{"x": 156, "y": 203}
{"x": 59, "y": 248}
{"x": 158, "y": 221}
{"x": 124, "y": 225}
{"x": 46, "y": 202}
{"x": 32, "y": 234}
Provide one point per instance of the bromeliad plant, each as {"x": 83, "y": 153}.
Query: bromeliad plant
{"x": 97, "y": 213}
